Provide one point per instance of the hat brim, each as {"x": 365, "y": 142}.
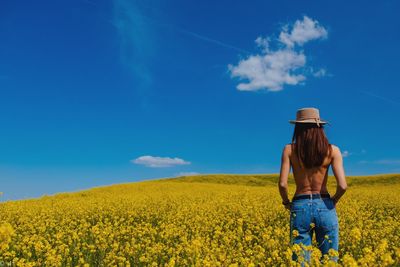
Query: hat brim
{"x": 308, "y": 121}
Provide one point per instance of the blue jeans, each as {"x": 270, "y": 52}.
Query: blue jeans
{"x": 314, "y": 215}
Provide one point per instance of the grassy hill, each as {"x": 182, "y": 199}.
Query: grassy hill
{"x": 253, "y": 180}
{"x": 272, "y": 179}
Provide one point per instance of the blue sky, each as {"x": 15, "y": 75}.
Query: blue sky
{"x": 96, "y": 92}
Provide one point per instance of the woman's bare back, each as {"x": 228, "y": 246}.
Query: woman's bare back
{"x": 310, "y": 181}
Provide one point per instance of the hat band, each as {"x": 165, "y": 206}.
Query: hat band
{"x": 317, "y": 120}
{"x": 307, "y": 118}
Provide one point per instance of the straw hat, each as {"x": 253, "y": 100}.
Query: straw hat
{"x": 308, "y": 115}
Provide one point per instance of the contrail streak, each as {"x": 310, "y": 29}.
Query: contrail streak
{"x": 208, "y": 39}
{"x": 187, "y": 32}
{"x": 379, "y": 97}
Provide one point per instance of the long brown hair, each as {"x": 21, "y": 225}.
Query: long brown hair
{"x": 310, "y": 144}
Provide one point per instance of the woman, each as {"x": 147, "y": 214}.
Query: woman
{"x": 312, "y": 209}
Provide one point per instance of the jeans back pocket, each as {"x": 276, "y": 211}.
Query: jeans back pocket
{"x": 328, "y": 218}
{"x": 298, "y": 219}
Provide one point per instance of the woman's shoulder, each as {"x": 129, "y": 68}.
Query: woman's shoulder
{"x": 288, "y": 147}
{"x": 334, "y": 147}
{"x": 335, "y": 150}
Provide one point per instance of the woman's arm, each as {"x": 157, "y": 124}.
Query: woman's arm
{"x": 284, "y": 175}
{"x": 338, "y": 171}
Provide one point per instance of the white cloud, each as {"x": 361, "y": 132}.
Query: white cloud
{"x": 302, "y": 32}
{"x": 263, "y": 43}
{"x": 187, "y": 173}
{"x": 136, "y": 44}
{"x": 381, "y": 161}
{"x": 157, "y": 162}
{"x": 388, "y": 161}
{"x": 345, "y": 153}
{"x": 320, "y": 73}
{"x": 272, "y": 69}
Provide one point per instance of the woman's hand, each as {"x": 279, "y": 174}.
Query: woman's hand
{"x": 288, "y": 205}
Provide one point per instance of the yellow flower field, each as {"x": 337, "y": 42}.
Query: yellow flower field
{"x": 211, "y": 220}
